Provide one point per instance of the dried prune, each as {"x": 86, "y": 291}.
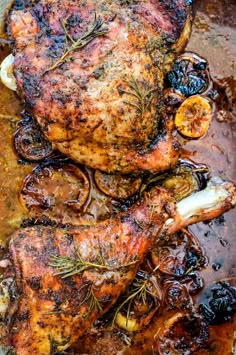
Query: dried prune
{"x": 189, "y": 75}
{"x": 218, "y": 303}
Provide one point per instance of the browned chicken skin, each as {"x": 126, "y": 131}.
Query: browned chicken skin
{"x": 92, "y": 74}
{"x": 51, "y": 312}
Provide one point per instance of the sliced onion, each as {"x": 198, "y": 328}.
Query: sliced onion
{"x": 172, "y": 100}
{"x": 6, "y": 73}
{"x": 182, "y": 334}
{"x": 178, "y": 255}
{"x": 31, "y": 144}
{"x": 117, "y": 186}
{"x": 56, "y": 189}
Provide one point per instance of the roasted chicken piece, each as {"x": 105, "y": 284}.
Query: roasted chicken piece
{"x": 92, "y": 74}
{"x": 67, "y": 277}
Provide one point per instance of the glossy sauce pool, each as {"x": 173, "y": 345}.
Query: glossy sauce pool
{"x": 214, "y": 38}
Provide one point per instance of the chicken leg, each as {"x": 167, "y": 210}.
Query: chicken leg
{"x": 68, "y": 277}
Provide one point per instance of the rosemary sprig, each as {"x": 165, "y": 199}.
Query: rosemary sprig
{"x": 69, "y": 266}
{"x": 96, "y": 30}
{"x": 139, "y": 290}
{"x": 93, "y": 303}
{"x": 142, "y": 93}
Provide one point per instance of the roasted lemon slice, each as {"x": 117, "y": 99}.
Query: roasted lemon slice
{"x": 193, "y": 117}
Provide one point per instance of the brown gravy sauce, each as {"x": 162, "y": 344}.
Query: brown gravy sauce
{"x": 213, "y": 37}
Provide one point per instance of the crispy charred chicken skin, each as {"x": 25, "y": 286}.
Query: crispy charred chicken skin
{"x": 68, "y": 277}
{"x": 92, "y": 74}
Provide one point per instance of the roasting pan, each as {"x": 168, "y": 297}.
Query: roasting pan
{"x": 214, "y": 38}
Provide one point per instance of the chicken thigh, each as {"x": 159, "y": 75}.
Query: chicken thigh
{"x": 91, "y": 72}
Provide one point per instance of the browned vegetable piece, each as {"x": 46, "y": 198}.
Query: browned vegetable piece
{"x": 30, "y": 143}
{"x": 193, "y": 117}
{"x": 182, "y": 334}
{"x": 139, "y": 303}
{"x": 186, "y": 179}
{"x": 182, "y": 183}
{"x": 178, "y": 254}
{"x": 55, "y": 188}
{"x": 117, "y": 186}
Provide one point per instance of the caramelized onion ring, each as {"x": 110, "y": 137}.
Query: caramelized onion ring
{"x": 30, "y": 143}
{"x": 117, "y": 186}
{"x": 182, "y": 334}
{"x": 55, "y": 188}
{"x": 178, "y": 255}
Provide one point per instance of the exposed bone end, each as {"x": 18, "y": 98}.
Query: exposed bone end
{"x": 6, "y": 73}
{"x": 217, "y": 198}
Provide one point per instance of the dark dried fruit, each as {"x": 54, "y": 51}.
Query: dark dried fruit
{"x": 219, "y": 303}
{"x": 189, "y": 75}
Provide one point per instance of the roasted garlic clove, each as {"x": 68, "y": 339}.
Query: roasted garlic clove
{"x": 6, "y": 73}
{"x": 4, "y": 296}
